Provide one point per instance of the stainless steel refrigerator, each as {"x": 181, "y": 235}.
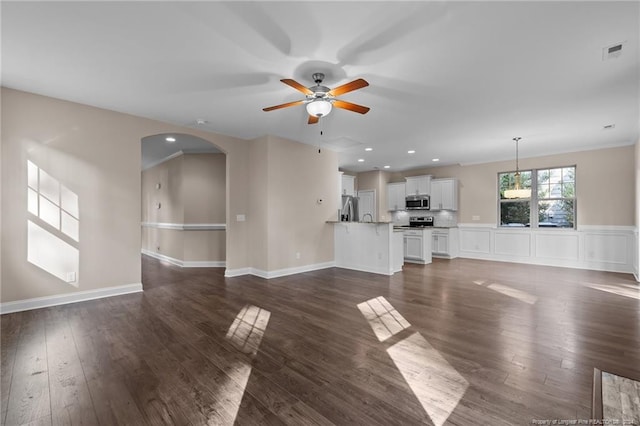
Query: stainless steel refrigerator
{"x": 349, "y": 209}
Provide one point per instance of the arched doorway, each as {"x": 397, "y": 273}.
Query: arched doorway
{"x": 183, "y": 201}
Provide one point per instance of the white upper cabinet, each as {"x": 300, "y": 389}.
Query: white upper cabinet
{"x": 348, "y": 185}
{"x": 418, "y": 185}
{"x": 396, "y": 196}
{"x": 444, "y": 194}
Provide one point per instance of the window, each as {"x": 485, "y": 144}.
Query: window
{"x": 552, "y": 203}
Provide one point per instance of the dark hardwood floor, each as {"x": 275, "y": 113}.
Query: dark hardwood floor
{"x": 459, "y": 342}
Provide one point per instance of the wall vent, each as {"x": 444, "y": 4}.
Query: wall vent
{"x": 612, "y": 52}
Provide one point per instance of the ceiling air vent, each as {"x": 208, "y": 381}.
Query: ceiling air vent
{"x": 613, "y": 51}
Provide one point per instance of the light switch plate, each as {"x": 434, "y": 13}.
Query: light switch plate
{"x": 240, "y": 218}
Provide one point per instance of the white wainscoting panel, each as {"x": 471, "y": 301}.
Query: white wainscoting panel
{"x": 603, "y": 248}
{"x": 608, "y": 248}
{"x": 557, "y": 246}
{"x": 513, "y": 243}
{"x": 475, "y": 240}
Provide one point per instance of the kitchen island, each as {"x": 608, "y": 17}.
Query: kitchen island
{"x": 368, "y": 246}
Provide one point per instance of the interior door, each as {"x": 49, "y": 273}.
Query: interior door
{"x": 367, "y": 205}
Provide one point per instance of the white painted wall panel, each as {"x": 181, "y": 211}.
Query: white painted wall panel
{"x": 603, "y": 248}
{"x": 557, "y": 246}
{"x": 513, "y": 244}
{"x": 475, "y": 241}
{"x": 608, "y": 248}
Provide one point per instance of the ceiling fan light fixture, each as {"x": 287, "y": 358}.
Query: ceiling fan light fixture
{"x": 319, "y": 107}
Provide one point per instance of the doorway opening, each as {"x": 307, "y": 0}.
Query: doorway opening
{"x": 183, "y": 201}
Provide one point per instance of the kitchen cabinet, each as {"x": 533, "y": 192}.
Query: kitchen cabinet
{"x": 396, "y": 196}
{"x": 444, "y": 243}
{"x": 417, "y": 246}
{"x": 348, "y": 185}
{"x": 418, "y": 185}
{"x": 444, "y": 194}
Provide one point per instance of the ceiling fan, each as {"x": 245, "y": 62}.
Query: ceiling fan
{"x": 320, "y": 99}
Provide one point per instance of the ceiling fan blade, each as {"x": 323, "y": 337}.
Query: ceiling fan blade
{"x": 313, "y": 119}
{"x": 350, "y": 106}
{"x": 297, "y": 86}
{"x": 355, "y": 84}
{"x": 288, "y": 104}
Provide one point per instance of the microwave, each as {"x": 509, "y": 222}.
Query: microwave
{"x": 417, "y": 202}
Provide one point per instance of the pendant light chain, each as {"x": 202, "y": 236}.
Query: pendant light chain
{"x": 517, "y": 140}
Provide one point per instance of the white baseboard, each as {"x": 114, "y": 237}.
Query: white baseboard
{"x": 186, "y": 263}
{"x": 63, "y": 299}
{"x": 229, "y": 273}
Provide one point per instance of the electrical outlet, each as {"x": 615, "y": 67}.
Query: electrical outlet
{"x": 240, "y": 218}
{"x": 475, "y": 217}
{"x": 71, "y": 277}
{"x": 298, "y": 255}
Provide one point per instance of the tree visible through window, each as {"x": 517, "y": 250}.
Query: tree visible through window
{"x": 556, "y": 197}
{"x": 552, "y": 197}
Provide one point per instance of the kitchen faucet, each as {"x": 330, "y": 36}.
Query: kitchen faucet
{"x": 370, "y": 217}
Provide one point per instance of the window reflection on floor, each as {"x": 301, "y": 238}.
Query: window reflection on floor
{"x": 435, "y": 383}
{"x": 53, "y": 229}
{"x": 248, "y": 328}
{"x": 621, "y": 289}
{"x": 514, "y": 293}
{"x": 383, "y": 318}
{"x": 523, "y": 296}
{"x": 245, "y": 334}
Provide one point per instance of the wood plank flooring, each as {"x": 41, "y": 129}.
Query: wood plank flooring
{"x": 478, "y": 342}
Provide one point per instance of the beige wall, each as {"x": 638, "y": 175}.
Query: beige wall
{"x": 605, "y": 189}
{"x": 636, "y": 257}
{"x": 192, "y": 191}
{"x": 96, "y": 154}
{"x": 203, "y": 188}
{"x": 291, "y": 219}
{"x": 170, "y": 195}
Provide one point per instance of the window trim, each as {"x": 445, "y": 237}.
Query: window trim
{"x": 534, "y": 200}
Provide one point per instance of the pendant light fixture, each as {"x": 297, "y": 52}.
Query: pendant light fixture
{"x": 517, "y": 191}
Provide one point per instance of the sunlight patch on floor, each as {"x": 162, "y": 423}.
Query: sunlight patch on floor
{"x": 522, "y": 296}
{"x": 383, "y": 318}
{"x": 620, "y": 290}
{"x": 245, "y": 334}
{"x": 435, "y": 383}
{"x": 248, "y": 328}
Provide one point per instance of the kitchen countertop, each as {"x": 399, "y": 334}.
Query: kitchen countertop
{"x": 422, "y": 227}
{"x": 372, "y": 223}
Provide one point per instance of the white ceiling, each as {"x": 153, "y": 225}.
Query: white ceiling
{"x": 452, "y": 80}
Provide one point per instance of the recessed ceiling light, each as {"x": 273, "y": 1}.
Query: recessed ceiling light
{"x": 411, "y": 151}
{"x": 360, "y": 160}
{"x": 170, "y": 139}
{"x": 201, "y": 121}
{"x": 387, "y": 167}
{"x": 435, "y": 160}
{"x": 368, "y": 149}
